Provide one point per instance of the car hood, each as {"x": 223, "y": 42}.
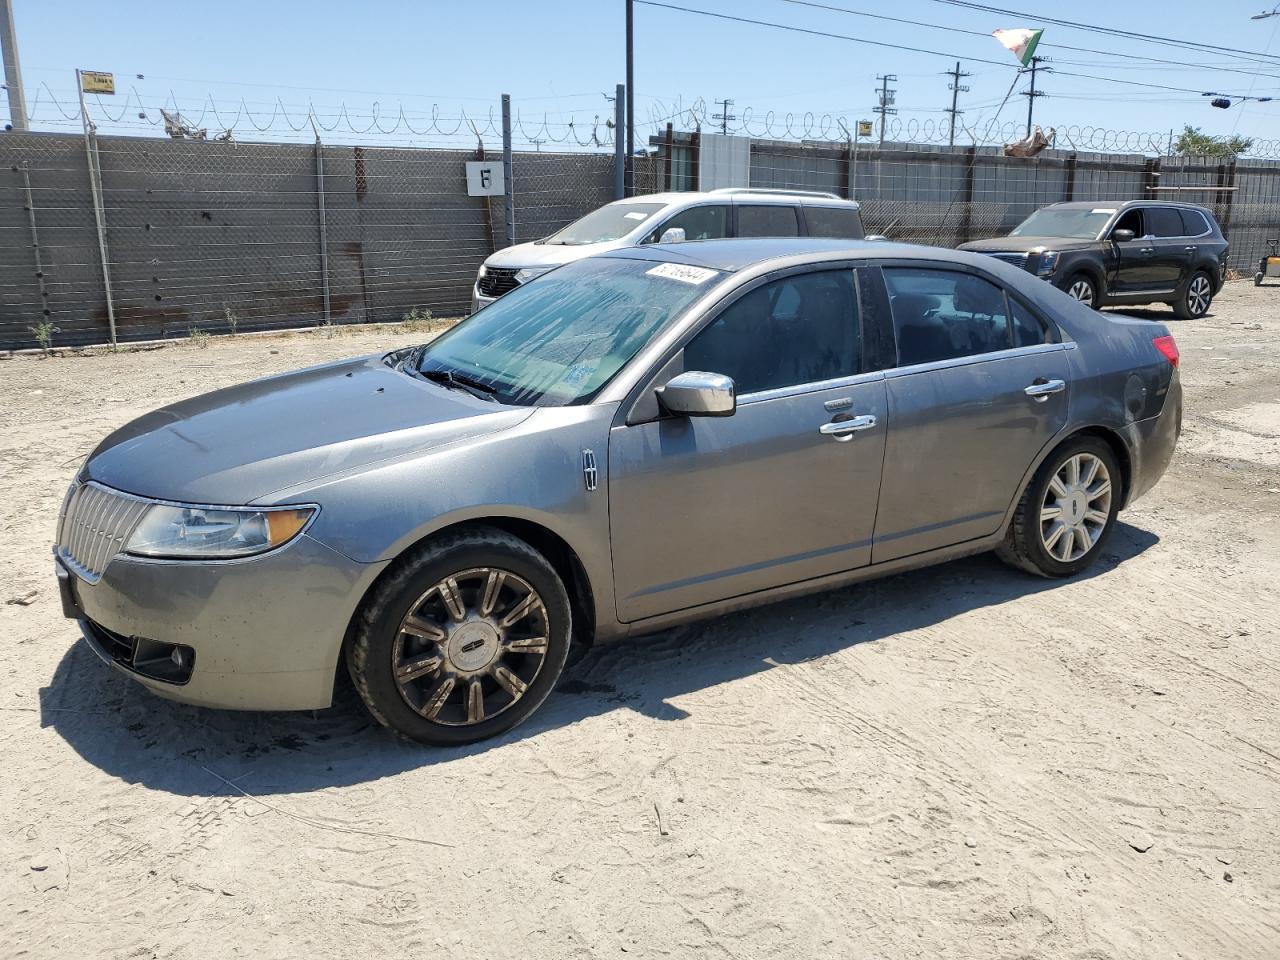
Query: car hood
{"x": 238, "y": 445}
{"x": 547, "y": 254}
{"x": 1026, "y": 244}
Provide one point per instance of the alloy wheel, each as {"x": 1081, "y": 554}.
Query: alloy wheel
{"x": 1076, "y": 507}
{"x": 471, "y": 646}
{"x": 1198, "y": 294}
{"x": 1082, "y": 290}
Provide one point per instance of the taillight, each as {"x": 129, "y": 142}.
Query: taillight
{"x": 1168, "y": 347}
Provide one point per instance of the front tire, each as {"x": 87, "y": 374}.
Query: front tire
{"x": 464, "y": 640}
{"x": 1081, "y": 286}
{"x": 1067, "y": 512}
{"x": 1195, "y": 300}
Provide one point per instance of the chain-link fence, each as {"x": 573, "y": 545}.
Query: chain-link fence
{"x": 162, "y": 238}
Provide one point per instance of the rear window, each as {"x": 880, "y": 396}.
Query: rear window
{"x": 774, "y": 220}
{"x": 1193, "y": 223}
{"x": 838, "y": 222}
{"x": 1164, "y": 222}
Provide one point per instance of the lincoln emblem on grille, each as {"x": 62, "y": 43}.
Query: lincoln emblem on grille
{"x": 589, "y": 468}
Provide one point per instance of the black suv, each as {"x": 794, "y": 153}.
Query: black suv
{"x": 1140, "y": 251}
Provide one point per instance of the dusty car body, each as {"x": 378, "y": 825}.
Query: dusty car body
{"x": 428, "y": 525}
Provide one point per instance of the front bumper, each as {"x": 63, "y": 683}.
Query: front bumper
{"x": 264, "y": 633}
{"x": 479, "y": 300}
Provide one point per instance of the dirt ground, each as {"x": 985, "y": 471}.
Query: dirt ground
{"x": 958, "y": 762}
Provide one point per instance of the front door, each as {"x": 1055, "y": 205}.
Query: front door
{"x": 979, "y": 390}
{"x": 1135, "y": 269}
{"x": 705, "y": 509}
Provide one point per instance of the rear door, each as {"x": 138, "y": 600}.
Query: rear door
{"x": 1174, "y": 252}
{"x": 980, "y": 387}
{"x": 767, "y": 220}
{"x": 841, "y": 223}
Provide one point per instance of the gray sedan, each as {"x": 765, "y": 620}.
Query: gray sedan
{"x": 633, "y": 441}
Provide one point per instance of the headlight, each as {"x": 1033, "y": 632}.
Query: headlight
{"x": 203, "y": 532}
{"x": 483, "y": 272}
{"x": 1048, "y": 263}
{"x": 528, "y": 273}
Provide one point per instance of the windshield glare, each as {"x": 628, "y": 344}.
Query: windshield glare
{"x": 1078, "y": 224}
{"x": 608, "y": 223}
{"x": 558, "y": 339}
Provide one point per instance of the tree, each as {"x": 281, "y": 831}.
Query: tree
{"x": 1195, "y": 143}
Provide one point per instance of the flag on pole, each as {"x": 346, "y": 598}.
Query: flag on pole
{"x": 1021, "y": 42}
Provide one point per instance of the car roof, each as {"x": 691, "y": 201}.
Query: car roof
{"x": 1124, "y": 204}
{"x": 729, "y": 194}
{"x": 739, "y": 253}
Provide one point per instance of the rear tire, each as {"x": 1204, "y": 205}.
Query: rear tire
{"x": 1196, "y": 298}
{"x": 1081, "y": 286}
{"x": 1257, "y": 279}
{"x": 464, "y": 640}
{"x": 1067, "y": 512}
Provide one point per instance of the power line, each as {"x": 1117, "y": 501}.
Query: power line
{"x": 1059, "y": 46}
{"x": 1268, "y": 59}
{"x": 910, "y": 49}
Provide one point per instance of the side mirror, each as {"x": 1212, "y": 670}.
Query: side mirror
{"x": 875, "y": 236}
{"x": 698, "y": 394}
{"x": 1122, "y": 236}
{"x": 672, "y": 235}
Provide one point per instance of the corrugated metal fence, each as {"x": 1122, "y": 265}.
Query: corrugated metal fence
{"x": 241, "y": 236}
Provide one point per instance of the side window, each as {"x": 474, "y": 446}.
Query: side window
{"x": 710, "y": 222}
{"x": 942, "y": 314}
{"x": 1028, "y": 331}
{"x": 840, "y": 222}
{"x": 800, "y": 329}
{"x": 1164, "y": 222}
{"x": 1131, "y": 220}
{"x": 1193, "y": 223}
{"x": 774, "y": 220}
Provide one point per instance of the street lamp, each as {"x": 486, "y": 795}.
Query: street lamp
{"x": 1264, "y": 14}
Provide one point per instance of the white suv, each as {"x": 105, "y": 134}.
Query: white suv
{"x": 729, "y": 212}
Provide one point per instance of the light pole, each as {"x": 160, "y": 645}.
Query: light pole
{"x": 1273, "y": 12}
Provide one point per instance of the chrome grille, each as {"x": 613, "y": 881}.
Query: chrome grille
{"x": 497, "y": 281}
{"x": 95, "y": 525}
{"x": 1017, "y": 259}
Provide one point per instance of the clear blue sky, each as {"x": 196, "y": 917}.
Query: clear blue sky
{"x": 556, "y": 57}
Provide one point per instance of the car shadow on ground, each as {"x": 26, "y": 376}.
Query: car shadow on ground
{"x": 116, "y": 725}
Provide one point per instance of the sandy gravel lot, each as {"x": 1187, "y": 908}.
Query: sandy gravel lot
{"x": 958, "y": 762}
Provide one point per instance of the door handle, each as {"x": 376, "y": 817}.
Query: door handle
{"x": 843, "y": 430}
{"x": 1191, "y": 249}
{"x": 1041, "y": 389}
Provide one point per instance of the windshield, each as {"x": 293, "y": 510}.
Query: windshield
{"x": 608, "y": 223}
{"x": 1079, "y": 223}
{"x": 558, "y": 339}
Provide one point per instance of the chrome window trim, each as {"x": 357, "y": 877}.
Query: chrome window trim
{"x": 815, "y": 386}
{"x": 973, "y": 358}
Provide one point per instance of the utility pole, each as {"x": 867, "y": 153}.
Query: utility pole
{"x": 12, "y": 69}
{"x": 1033, "y": 92}
{"x": 725, "y": 116}
{"x": 886, "y": 99}
{"x": 956, "y": 89}
{"x": 630, "y": 174}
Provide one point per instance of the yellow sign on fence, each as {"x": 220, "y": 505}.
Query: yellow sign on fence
{"x": 93, "y": 81}
{"x": 864, "y": 128}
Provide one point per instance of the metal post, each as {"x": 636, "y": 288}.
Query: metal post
{"x": 853, "y": 174}
{"x": 99, "y": 217}
{"x": 12, "y": 68}
{"x": 619, "y": 142}
{"x": 324, "y": 232}
{"x": 35, "y": 239}
{"x": 508, "y": 184}
{"x": 631, "y": 102}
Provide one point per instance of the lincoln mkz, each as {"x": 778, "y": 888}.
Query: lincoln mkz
{"x": 629, "y": 442}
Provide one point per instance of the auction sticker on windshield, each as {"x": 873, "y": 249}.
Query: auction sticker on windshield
{"x": 683, "y": 273}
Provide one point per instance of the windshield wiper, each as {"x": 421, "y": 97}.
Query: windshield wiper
{"x": 460, "y": 381}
